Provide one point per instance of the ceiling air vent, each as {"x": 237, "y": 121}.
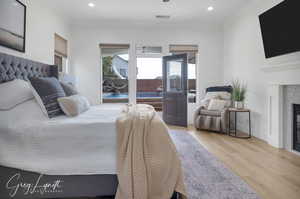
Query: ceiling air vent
{"x": 163, "y": 16}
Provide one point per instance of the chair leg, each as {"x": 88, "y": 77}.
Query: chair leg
{"x": 175, "y": 196}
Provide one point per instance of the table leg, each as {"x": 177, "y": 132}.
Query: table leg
{"x": 229, "y": 126}
{"x": 235, "y": 123}
{"x": 249, "y": 124}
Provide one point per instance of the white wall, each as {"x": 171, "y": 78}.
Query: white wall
{"x": 85, "y": 53}
{"x": 244, "y": 59}
{"x": 41, "y": 25}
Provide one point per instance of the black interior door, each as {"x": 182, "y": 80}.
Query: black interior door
{"x": 175, "y": 89}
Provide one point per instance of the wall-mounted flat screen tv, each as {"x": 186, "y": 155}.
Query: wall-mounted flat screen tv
{"x": 12, "y": 24}
{"x": 280, "y": 27}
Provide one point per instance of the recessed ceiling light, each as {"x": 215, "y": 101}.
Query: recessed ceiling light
{"x": 210, "y": 8}
{"x": 91, "y": 5}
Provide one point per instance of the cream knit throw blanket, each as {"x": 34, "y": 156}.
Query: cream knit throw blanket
{"x": 148, "y": 166}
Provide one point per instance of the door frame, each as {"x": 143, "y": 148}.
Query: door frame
{"x": 133, "y": 64}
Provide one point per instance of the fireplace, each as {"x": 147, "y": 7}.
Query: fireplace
{"x": 296, "y": 129}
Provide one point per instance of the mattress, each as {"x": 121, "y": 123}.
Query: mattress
{"x": 80, "y": 145}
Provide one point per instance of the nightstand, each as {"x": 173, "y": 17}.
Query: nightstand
{"x": 233, "y": 132}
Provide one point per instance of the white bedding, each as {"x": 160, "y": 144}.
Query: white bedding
{"x": 61, "y": 146}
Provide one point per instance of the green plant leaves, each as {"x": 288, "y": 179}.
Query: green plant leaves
{"x": 239, "y": 90}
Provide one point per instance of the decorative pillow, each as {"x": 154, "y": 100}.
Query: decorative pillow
{"x": 216, "y": 105}
{"x": 48, "y": 90}
{"x": 205, "y": 101}
{"x": 14, "y": 93}
{"x": 69, "y": 89}
{"x": 74, "y": 105}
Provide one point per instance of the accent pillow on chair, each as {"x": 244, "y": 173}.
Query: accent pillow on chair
{"x": 14, "y": 93}
{"x": 74, "y": 105}
{"x": 217, "y": 105}
{"x": 205, "y": 102}
{"x": 46, "y": 91}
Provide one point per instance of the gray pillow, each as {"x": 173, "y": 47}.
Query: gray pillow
{"x": 49, "y": 90}
{"x": 69, "y": 89}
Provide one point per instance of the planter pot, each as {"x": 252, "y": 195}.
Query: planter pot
{"x": 238, "y": 105}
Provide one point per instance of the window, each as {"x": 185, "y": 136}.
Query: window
{"x": 58, "y": 61}
{"x": 115, "y": 60}
{"x": 191, "y": 51}
{"x": 149, "y": 81}
{"x": 61, "y": 53}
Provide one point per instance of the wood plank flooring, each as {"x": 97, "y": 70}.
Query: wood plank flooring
{"x": 272, "y": 173}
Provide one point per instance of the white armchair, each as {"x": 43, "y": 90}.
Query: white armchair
{"x": 213, "y": 120}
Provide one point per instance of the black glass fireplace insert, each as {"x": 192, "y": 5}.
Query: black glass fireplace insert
{"x": 296, "y": 131}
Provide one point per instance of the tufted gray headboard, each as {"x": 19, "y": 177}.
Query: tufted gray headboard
{"x": 12, "y": 67}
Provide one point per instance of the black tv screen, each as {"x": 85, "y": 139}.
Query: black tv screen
{"x": 280, "y": 27}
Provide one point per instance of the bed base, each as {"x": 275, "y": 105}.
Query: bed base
{"x": 19, "y": 184}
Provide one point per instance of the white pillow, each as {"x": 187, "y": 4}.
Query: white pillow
{"x": 14, "y": 93}
{"x": 205, "y": 101}
{"x": 216, "y": 105}
{"x": 39, "y": 101}
{"x": 74, "y": 105}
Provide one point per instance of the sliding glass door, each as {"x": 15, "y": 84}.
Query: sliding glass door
{"x": 149, "y": 75}
{"x": 149, "y": 81}
{"x": 115, "y": 71}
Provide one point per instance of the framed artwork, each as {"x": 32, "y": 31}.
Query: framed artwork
{"x": 12, "y": 24}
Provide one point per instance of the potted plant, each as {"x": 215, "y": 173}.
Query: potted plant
{"x": 238, "y": 93}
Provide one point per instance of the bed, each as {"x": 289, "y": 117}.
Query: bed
{"x": 73, "y": 170}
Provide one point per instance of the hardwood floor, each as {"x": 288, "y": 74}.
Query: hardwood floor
{"x": 272, "y": 173}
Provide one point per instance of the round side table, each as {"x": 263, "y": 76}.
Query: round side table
{"x": 233, "y": 132}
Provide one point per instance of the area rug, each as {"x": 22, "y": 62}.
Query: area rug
{"x": 205, "y": 176}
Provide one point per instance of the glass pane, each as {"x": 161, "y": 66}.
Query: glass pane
{"x": 298, "y": 124}
{"x": 115, "y": 75}
{"x": 298, "y": 129}
{"x": 191, "y": 74}
{"x": 174, "y": 76}
{"x": 58, "y": 61}
{"x": 149, "y": 82}
{"x": 192, "y": 77}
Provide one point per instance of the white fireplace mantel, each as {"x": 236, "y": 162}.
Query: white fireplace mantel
{"x": 276, "y": 131}
{"x": 275, "y": 112}
{"x": 289, "y": 65}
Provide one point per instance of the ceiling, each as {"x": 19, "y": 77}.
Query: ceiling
{"x": 143, "y": 11}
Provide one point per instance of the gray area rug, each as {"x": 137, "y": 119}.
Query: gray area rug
{"x": 205, "y": 176}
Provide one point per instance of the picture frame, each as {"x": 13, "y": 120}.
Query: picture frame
{"x": 13, "y": 25}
